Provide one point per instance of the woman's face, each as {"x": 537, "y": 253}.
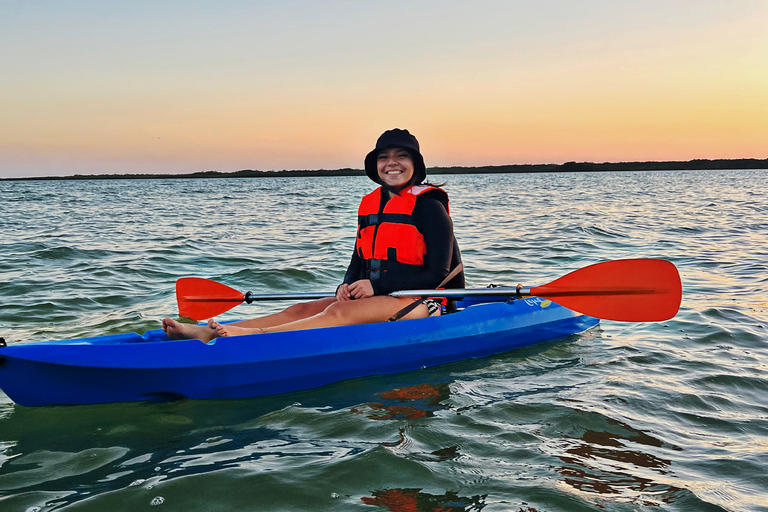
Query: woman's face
{"x": 395, "y": 167}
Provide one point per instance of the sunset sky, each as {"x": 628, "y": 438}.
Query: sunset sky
{"x": 159, "y": 86}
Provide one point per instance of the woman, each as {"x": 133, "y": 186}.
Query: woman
{"x": 404, "y": 241}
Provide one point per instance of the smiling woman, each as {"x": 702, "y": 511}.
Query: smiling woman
{"x": 404, "y": 241}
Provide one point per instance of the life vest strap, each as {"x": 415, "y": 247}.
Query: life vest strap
{"x": 379, "y": 218}
{"x": 410, "y": 307}
{"x": 375, "y": 269}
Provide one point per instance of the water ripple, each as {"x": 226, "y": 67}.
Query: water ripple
{"x": 669, "y": 416}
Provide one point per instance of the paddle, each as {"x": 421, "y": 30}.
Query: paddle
{"x": 637, "y": 290}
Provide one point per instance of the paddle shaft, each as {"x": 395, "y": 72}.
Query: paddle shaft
{"x": 251, "y": 297}
{"x": 500, "y": 291}
{"x": 520, "y": 292}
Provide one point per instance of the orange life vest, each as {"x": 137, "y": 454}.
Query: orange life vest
{"x": 388, "y": 237}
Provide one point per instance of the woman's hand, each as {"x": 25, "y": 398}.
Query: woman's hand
{"x": 357, "y": 290}
{"x": 361, "y": 289}
{"x": 342, "y": 293}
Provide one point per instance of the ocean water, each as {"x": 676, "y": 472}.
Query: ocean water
{"x": 668, "y": 416}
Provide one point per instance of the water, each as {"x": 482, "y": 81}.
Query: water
{"x": 656, "y": 416}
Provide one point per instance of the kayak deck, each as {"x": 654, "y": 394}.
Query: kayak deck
{"x": 133, "y": 367}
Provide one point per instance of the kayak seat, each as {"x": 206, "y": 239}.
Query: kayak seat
{"x": 470, "y": 300}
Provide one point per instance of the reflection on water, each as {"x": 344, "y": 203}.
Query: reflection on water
{"x": 420, "y": 401}
{"x": 611, "y": 465}
{"x": 414, "y": 500}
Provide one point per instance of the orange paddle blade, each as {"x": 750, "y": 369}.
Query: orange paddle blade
{"x": 200, "y": 299}
{"x": 639, "y": 290}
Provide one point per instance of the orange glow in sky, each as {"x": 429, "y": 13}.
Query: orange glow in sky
{"x": 172, "y": 87}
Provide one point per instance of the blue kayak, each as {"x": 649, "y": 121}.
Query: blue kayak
{"x": 132, "y": 367}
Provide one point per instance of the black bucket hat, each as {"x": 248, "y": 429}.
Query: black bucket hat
{"x": 396, "y": 138}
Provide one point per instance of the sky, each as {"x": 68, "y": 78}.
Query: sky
{"x": 90, "y": 87}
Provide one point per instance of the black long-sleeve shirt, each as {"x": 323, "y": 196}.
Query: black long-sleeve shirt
{"x": 433, "y": 222}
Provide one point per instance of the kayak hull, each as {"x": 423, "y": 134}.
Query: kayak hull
{"x": 132, "y": 367}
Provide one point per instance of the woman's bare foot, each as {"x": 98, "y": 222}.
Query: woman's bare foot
{"x": 232, "y": 330}
{"x": 178, "y": 331}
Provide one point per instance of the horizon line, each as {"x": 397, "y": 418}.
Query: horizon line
{"x": 698, "y": 164}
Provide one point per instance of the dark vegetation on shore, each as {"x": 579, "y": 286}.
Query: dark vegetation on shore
{"x": 691, "y": 165}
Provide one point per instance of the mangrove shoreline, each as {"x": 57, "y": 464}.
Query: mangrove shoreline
{"x": 691, "y": 165}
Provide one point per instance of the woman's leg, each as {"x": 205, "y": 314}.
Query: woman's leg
{"x": 363, "y": 311}
{"x": 176, "y": 330}
{"x": 289, "y": 314}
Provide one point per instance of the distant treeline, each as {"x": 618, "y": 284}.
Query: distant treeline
{"x": 691, "y": 165}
